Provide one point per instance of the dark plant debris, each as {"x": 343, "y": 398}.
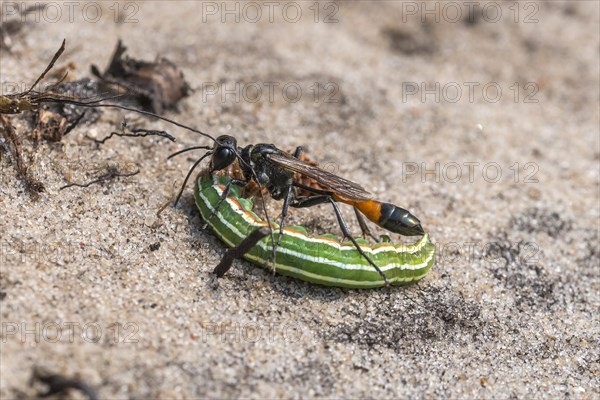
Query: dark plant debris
{"x": 30, "y": 99}
{"x": 56, "y": 110}
{"x": 15, "y": 146}
{"x": 79, "y": 90}
{"x": 16, "y": 104}
{"x": 155, "y": 86}
{"x": 136, "y": 132}
{"x": 110, "y": 173}
{"x": 52, "y": 126}
{"x": 60, "y": 385}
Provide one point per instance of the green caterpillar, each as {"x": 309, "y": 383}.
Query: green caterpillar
{"x": 319, "y": 259}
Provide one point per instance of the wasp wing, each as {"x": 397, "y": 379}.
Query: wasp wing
{"x": 338, "y": 185}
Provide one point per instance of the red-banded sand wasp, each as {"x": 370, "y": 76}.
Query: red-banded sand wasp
{"x": 265, "y": 165}
{"x": 275, "y": 170}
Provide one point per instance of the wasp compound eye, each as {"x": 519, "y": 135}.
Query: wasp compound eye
{"x": 222, "y": 158}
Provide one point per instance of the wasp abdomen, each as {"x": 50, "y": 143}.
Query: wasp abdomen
{"x": 399, "y": 220}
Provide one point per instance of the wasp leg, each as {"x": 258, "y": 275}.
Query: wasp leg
{"x": 312, "y": 190}
{"x": 241, "y": 249}
{"x": 364, "y": 227}
{"x": 314, "y": 200}
{"x": 288, "y": 198}
{"x": 361, "y": 220}
{"x": 238, "y": 182}
{"x": 189, "y": 174}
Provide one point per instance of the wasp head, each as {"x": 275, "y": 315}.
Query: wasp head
{"x": 224, "y": 152}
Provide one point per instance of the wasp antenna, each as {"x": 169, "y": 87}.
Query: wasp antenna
{"x": 62, "y": 99}
{"x": 245, "y": 164}
{"x": 187, "y": 177}
{"x": 189, "y": 149}
{"x": 97, "y": 103}
{"x": 80, "y": 101}
{"x": 189, "y": 128}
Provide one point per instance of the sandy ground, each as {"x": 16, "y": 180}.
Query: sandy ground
{"x": 503, "y": 173}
